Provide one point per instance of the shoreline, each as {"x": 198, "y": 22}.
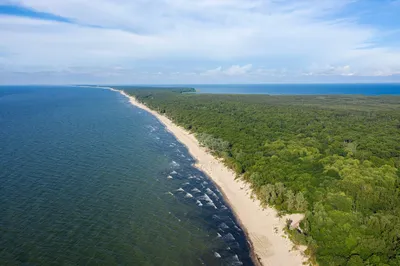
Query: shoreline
{"x": 269, "y": 245}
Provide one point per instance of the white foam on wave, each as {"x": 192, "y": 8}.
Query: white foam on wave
{"x": 212, "y": 193}
{"x": 185, "y": 184}
{"x": 173, "y": 173}
{"x": 205, "y": 183}
{"x": 196, "y": 190}
{"x": 216, "y": 217}
{"x": 224, "y": 207}
{"x": 188, "y": 195}
{"x": 152, "y": 129}
{"x": 190, "y": 177}
{"x": 169, "y": 177}
{"x": 180, "y": 189}
{"x": 223, "y": 226}
{"x": 208, "y": 200}
{"x": 235, "y": 245}
{"x": 234, "y": 224}
{"x": 170, "y": 193}
{"x": 219, "y": 235}
{"x": 237, "y": 228}
{"x": 198, "y": 202}
{"x": 175, "y": 164}
{"x": 235, "y": 261}
{"x": 217, "y": 255}
{"x": 229, "y": 237}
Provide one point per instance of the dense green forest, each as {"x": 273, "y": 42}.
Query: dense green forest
{"x": 334, "y": 158}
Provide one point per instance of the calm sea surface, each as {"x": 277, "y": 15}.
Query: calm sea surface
{"x": 88, "y": 179}
{"x": 365, "y": 89}
{"x": 276, "y": 89}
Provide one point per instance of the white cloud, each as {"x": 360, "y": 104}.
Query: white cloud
{"x": 330, "y": 70}
{"x": 234, "y": 70}
{"x": 255, "y": 38}
{"x": 238, "y": 70}
{"x": 214, "y": 71}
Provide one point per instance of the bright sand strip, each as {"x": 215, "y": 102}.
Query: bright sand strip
{"x": 263, "y": 227}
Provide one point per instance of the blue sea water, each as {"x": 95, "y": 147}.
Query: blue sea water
{"x": 297, "y": 89}
{"x": 88, "y": 179}
{"x": 302, "y": 89}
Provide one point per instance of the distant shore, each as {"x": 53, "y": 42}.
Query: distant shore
{"x": 264, "y": 229}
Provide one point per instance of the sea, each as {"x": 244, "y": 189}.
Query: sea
{"x": 296, "y": 89}
{"x": 88, "y": 179}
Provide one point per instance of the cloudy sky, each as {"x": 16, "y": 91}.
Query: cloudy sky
{"x": 199, "y": 41}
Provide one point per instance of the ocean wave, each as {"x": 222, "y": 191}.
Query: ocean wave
{"x": 212, "y": 193}
{"x": 223, "y": 226}
{"x": 216, "y": 217}
{"x": 209, "y": 201}
{"x": 229, "y": 237}
{"x": 217, "y": 255}
{"x": 152, "y": 129}
{"x": 175, "y": 164}
{"x": 188, "y": 195}
{"x": 235, "y": 245}
{"x": 234, "y": 261}
{"x": 223, "y": 207}
{"x": 196, "y": 190}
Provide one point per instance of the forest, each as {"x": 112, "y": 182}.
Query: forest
{"x": 334, "y": 158}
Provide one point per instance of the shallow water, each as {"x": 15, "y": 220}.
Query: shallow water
{"x": 88, "y": 179}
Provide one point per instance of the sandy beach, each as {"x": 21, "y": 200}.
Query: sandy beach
{"x": 263, "y": 227}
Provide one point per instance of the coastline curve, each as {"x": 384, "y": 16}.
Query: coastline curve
{"x": 263, "y": 227}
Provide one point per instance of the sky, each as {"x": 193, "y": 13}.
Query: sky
{"x": 199, "y": 41}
